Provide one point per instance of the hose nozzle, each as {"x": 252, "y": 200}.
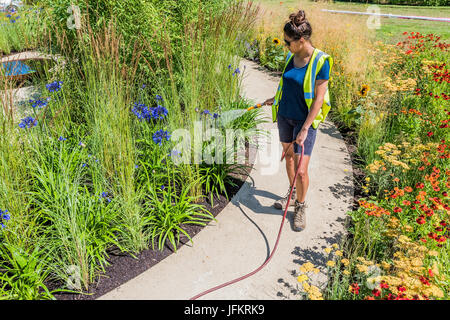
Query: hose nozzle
{"x": 254, "y": 107}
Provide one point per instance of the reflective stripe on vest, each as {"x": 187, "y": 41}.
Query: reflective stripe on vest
{"x": 318, "y": 59}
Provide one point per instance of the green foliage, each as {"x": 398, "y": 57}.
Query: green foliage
{"x": 23, "y": 273}
{"x": 273, "y": 57}
{"x": 168, "y": 211}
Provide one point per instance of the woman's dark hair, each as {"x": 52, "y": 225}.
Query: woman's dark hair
{"x": 298, "y": 26}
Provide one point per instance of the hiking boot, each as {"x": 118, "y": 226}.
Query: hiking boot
{"x": 299, "y": 216}
{"x": 281, "y": 204}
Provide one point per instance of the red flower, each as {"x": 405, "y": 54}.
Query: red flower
{"x": 430, "y": 273}
{"x": 432, "y": 235}
{"x": 384, "y": 285}
{"x": 421, "y": 220}
{"x": 354, "y": 288}
{"x": 420, "y": 186}
{"x": 424, "y": 280}
{"x": 376, "y": 292}
{"x": 430, "y": 133}
{"x": 441, "y": 239}
{"x": 401, "y": 289}
{"x": 397, "y": 209}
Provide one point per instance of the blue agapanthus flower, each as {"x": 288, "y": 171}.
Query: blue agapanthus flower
{"x": 28, "y": 122}
{"x": 54, "y": 86}
{"x": 237, "y": 71}
{"x": 105, "y": 195}
{"x": 4, "y": 216}
{"x": 174, "y": 153}
{"x": 158, "y": 98}
{"x": 159, "y": 112}
{"x": 62, "y": 138}
{"x": 142, "y": 112}
{"x": 160, "y": 135}
{"x": 205, "y": 112}
{"x": 215, "y": 115}
{"x": 39, "y": 103}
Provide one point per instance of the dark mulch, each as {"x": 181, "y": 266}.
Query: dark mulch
{"x": 123, "y": 267}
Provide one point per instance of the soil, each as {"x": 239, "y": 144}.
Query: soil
{"x": 123, "y": 267}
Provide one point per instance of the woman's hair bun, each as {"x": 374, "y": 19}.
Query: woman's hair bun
{"x": 298, "y": 18}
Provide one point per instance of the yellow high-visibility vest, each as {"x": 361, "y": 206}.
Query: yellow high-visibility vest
{"x": 317, "y": 60}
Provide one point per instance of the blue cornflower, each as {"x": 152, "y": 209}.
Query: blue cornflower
{"x": 28, "y": 122}
{"x": 61, "y": 138}
{"x": 39, "y": 103}
{"x": 205, "y": 112}
{"x": 158, "y": 97}
{"x": 159, "y": 112}
{"x": 236, "y": 71}
{"x": 215, "y": 115}
{"x": 160, "y": 135}
{"x": 136, "y": 166}
{"x": 84, "y": 165}
{"x": 163, "y": 187}
{"x": 8, "y": 16}
{"x": 54, "y": 86}
{"x": 229, "y": 66}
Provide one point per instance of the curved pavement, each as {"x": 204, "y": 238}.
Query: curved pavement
{"x": 246, "y": 230}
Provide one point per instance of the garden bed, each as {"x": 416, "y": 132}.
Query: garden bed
{"x": 123, "y": 267}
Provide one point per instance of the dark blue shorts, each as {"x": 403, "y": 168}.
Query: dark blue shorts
{"x": 289, "y": 129}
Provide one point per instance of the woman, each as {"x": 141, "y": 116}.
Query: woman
{"x": 297, "y": 111}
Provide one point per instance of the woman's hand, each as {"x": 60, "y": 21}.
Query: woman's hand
{"x": 301, "y": 137}
{"x": 268, "y": 102}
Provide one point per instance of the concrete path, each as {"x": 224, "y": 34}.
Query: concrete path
{"x": 246, "y": 230}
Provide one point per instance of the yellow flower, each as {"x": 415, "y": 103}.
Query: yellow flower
{"x": 302, "y": 278}
{"x": 305, "y": 285}
{"x": 346, "y": 272}
{"x": 276, "y": 41}
{"x": 327, "y": 250}
{"x": 362, "y": 268}
{"x": 331, "y": 263}
{"x": 433, "y": 253}
{"x": 316, "y": 271}
{"x": 363, "y": 91}
{"x": 338, "y": 253}
{"x": 346, "y": 262}
{"x": 308, "y": 266}
{"x": 303, "y": 269}
{"x": 335, "y": 245}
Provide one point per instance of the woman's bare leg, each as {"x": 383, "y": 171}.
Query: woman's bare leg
{"x": 302, "y": 182}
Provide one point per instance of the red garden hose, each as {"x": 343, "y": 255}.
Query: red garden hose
{"x": 276, "y": 243}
